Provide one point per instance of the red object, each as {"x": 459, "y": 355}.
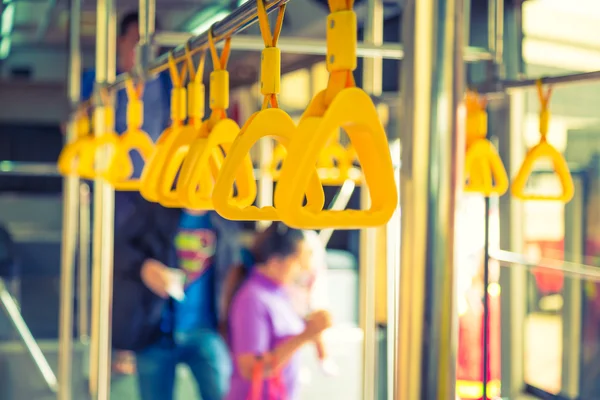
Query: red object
{"x": 548, "y": 281}
{"x": 275, "y": 386}
{"x": 234, "y": 112}
{"x": 470, "y": 342}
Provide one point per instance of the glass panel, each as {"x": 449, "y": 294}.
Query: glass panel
{"x": 544, "y": 237}
{"x": 471, "y": 289}
{"x": 590, "y": 364}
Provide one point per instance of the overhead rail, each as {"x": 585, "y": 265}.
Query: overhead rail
{"x": 238, "y": 20}
{"x": 309, "y": 46}
{"x": 11, "y": 308}
{"x": 569, "y": 269}
{"x": 22, "y": 168}
{"x": 556, "y": 80}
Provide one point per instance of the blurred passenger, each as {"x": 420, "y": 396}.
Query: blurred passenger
{"x": 266, "y": 331}
{"x": 307, "y": 291}
{"x": 156, "y": 97}
{"x": 170, "y": 265}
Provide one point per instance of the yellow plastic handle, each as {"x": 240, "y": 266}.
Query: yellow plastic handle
{"x": 352, "y": 110}
{"x": 89, "y": 166}
{"x": 120, "y": 171}
{"x": 484, "y": 171}
{"x": 268, "y": 122}
{"x": 70, "y": 156}
{"x": 173, "y": 155}
{"x": 544, "y": 150}
{"x": 196, "y": 168}
{"x": 166, "y": 147}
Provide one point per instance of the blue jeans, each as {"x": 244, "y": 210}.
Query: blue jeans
{"x": 205, "y": 353}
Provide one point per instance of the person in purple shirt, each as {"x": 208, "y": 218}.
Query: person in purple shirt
{"x": 264, "y": 327}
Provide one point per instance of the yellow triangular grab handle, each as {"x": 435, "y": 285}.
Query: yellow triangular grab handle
{"x": 196, "y": 167}
{"x": 88, "y": 167}
{"x": 169, "y": 141}
{"x": 544, "y": 150}
{"x": 271, "y": 122}
{"x": 266, "y": 122}
{"x": 178, "y": 149}
{"x": 539, "y": 151}
{"x": 340, "y": 105}
{"x": 172, "y": 173}
{"x": 120, "y": 170}
{"x": 68, "y": 159}
{"x": 218, "y": 132}
{"x": 484, "y": 171}
{"x": 354, "y": 111}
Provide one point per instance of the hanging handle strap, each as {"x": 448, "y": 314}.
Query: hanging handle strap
{"x": 109, "y": 113}
{"x": 135, "y": 105}
{"x": 340, "y": 5}
{"x": 83, "y": 124}
{"x": 544, "y": 98}
{"x": 219, "y": 80}
{"x": 476, "y": 117}
{"x": 270, "y": 60}
{"x": 178, "y": 94}
{"x": 196, "y": 88}
{"x": 342, "y": 29}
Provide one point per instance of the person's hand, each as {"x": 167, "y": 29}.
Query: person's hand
{"x": 155, "y": 276}
{"x": 329, "y": 367}
{"x": 316, "y": 323}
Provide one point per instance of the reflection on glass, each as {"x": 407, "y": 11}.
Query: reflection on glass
{"x": 470, "y": 289}
{"x": 544, "y": 237}
{"x": 590, "y": 364}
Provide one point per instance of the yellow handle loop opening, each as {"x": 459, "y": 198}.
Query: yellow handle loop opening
{"x": 544, "y": 150}
{"x": 270, "y": 60}
{"x": 196, "y": 88}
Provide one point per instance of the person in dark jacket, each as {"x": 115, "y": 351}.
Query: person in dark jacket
{"x": 163, "y": 327}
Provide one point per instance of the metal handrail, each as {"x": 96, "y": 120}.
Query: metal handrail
{"x": 574, "y": 270}
{"x": 238, "y": 20}
{"x": 14, "y": 315}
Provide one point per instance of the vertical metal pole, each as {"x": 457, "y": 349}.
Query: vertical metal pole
{"x": 146, "y": 24}
{"x": 372, "y": 83}
{"x": 84, "y": 266}
{"x": 69, "y": 234}
{"x": 496, "y": 47}
{"x": 571, "y": 324}
{"x": 507, "y": 119}
{"x": 103, "y": 211}
{"x": 432, "y": 81}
